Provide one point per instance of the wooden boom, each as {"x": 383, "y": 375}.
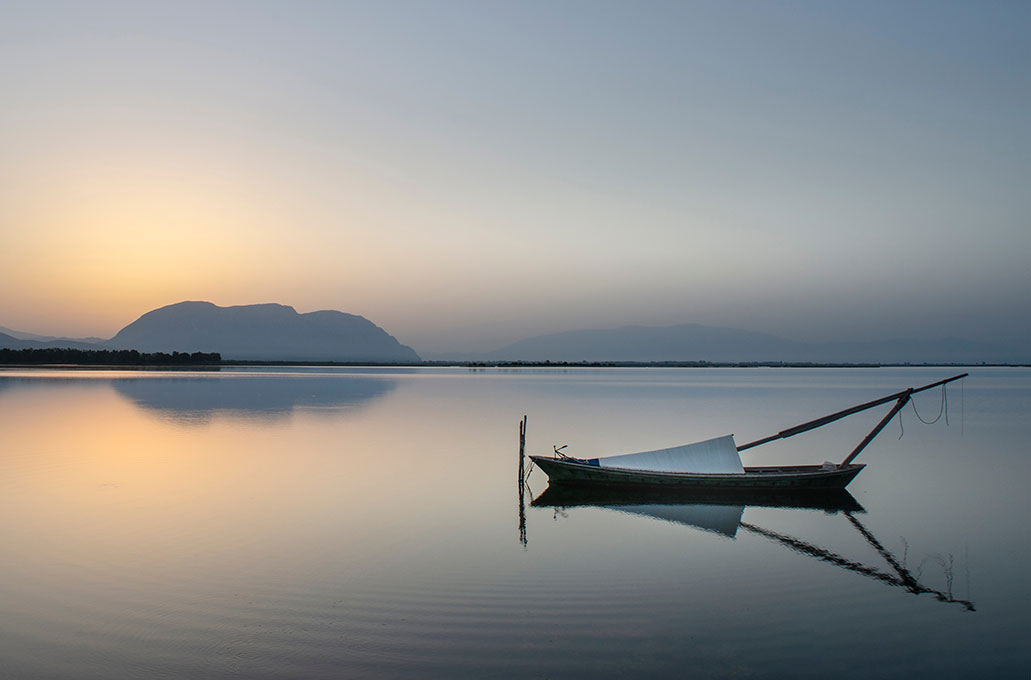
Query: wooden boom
{"x": 902, "y": 398}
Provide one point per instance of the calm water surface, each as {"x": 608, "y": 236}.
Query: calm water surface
{"x": 364, "y": 523}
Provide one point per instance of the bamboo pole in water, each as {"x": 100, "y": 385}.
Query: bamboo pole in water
{"x": 522, "y": 481}
{"x": 522, "y": 447}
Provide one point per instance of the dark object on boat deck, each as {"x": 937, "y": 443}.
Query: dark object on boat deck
{"x": 716, "y": 463}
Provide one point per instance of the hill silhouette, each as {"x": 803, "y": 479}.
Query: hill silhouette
{"x": 264, "y": 332}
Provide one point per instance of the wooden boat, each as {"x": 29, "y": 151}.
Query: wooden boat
{"x": 572, "y": 471}
{"x": 716, "y": 463}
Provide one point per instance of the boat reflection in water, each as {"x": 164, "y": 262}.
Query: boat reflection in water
{"x": 722, "y": 513}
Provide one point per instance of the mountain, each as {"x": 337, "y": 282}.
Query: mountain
{"x": 11, "y": 342}
{"x": 271, "y": 332}
{"x": 8, "y": 341}
{"x": 695, "y": 342}
{"x": 22, "y": 335}
{"x": 266, "y": 332}
{"x": 687, "y": 342}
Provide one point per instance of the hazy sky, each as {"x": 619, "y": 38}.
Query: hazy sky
{"x": 466, "y": 174}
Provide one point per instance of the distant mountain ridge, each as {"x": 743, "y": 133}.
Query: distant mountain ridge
{"x": 8, "y": 341}
{"x": 263, "y": 332}
{"x": 274, "y": 332}
{"x": 696, "y": 342}
{"x": 22, "y": 335}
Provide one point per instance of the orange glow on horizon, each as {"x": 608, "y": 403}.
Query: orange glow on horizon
{"x": 107, "y": 242}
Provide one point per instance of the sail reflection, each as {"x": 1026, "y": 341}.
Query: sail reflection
{"x": 722, "y": 513}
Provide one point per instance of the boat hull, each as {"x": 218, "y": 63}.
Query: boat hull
{"x": 793, "y": 477}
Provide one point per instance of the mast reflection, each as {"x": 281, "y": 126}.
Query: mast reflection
{"x": 721, "y": 513}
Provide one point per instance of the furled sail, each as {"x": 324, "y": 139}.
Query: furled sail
{"x": 714, "y": 456}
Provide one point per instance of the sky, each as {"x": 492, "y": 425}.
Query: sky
{"x": 467, "y": 174}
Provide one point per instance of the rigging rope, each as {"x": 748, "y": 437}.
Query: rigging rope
{"x": 943, "y": 409}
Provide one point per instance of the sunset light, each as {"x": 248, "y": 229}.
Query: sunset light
{"x": 464, "y": 339}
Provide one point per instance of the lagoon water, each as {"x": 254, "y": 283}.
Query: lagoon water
{"x": 328, "y": 523}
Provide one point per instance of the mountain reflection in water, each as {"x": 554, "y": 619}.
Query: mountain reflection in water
{"x": 200, "y": 398}
{"x": 196, "y": 397}
{"x": 722, "y": 512}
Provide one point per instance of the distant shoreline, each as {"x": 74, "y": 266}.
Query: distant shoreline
{"x": 66, "y": 356}
{"x": 215, "y": 366}
{"x": 620, "y": 364}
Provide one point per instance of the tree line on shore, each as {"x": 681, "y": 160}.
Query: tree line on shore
{"x": 106, "y": 357}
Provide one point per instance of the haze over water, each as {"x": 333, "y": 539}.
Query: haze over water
{"x": 363, "y": 523}
{"x": 470, "y": 174}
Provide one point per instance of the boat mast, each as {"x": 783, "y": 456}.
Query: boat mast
{"x": 901, "y": 399}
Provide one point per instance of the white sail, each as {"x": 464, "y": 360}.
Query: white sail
{"x": 717, "y": 456}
